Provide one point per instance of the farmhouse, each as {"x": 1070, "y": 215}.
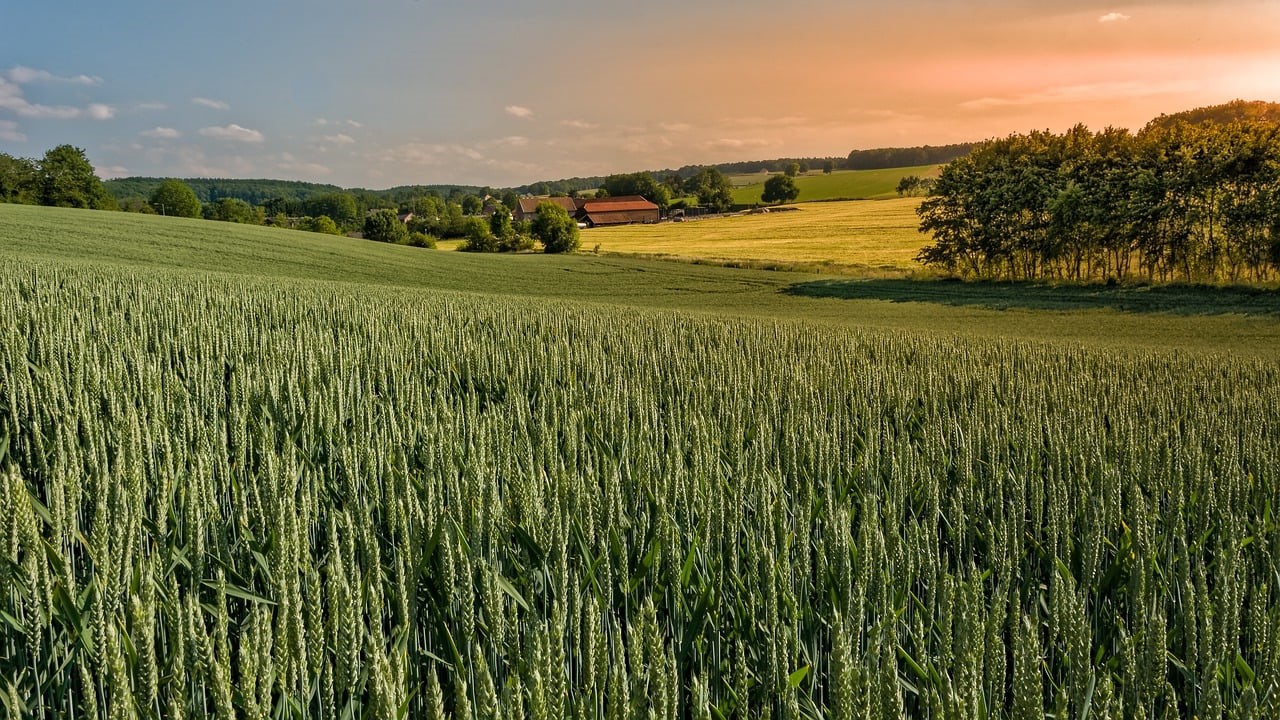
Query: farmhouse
{"x": 623, "y": 210}
{"x": 528, "y": 206}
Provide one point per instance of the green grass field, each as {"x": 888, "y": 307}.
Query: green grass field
{"x": 839, "y": 185}
{"x": 1205, "y": 320}
{"x": 260, "y": 473}
{"x": 877, "y": 238}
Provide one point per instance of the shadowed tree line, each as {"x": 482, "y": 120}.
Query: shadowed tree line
{"x": 1175, "y": 201}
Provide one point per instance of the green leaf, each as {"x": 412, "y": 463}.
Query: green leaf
{"x": 798, "y": 677}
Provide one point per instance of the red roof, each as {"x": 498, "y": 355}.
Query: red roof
{"x": 530, "y": 205}
{"x": 625, "y": 203}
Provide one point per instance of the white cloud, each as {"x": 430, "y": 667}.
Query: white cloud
{"x": 323, "y": 122}
{"x": 675, "y": 126}
{"x": 519, "y": 111}
{"x": 24, "y": 75}
{"x": 209, "y": 103}
{"x": 111, "y": 171}
{"x": 98, "y": 111}
{"x": 11, "y": 98}
{"x": 150, "y": 106}
{"x": 1113, "y": 17}
{"x": 162, "y": 133}
{"x": 511, "y": 141}
{"x": 339, "y": 139}
{"x": 9, "y": 131}
{"x": 233, "y": 132}
{"x": 289, "y": 163}
{"x": 580, "y": 124}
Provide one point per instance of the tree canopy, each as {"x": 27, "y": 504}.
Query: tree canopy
{"x": 174, "y": 197}
{"x": 712, "y": 189}
{"x": 779, "y": 189}
{"x": 641, "y": 183}
{"x": 384, "y": 226}
{"x": 553, "y": 227}
{"x": 1189, "y": 202}
{"x": 67, "y": 179}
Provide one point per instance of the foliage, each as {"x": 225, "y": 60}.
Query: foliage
{"x": 1188, "y": 202}
{"x": 711, "y": 188}
{"x": 422, "y": 240}
{"x": 553, "y": 227}
{"x": 321, "y": 224}
{"x": 792, "y": 169}
{"x": 780, "y": 189}
{"x": 884, "y": 158}
{"x": 913, "y": 185}
{"x": 472, "y": 205}
{"x": 19, "y": 180}
{"x": 384, "y": 226}
{"x": 641, "y": 183}
{"x": 282, "y": 499}
{"x": 67, "y": 179}
{"x": 828, "y": 167}
{"x": 338, "y": 206}
{"x": 477, "y": 236}
{"x": 176, "y": 198}
{"x": 1233, "y": 112}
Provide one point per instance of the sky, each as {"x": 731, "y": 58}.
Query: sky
{"x": 380, "y": 93}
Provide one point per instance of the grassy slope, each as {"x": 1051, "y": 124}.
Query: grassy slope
{"x": 878, "y": 238}
{"x": 1247, "y": 323}
{"x": 839, "y": 185}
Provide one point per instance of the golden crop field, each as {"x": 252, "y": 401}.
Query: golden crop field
{"x": 878, "y": 237}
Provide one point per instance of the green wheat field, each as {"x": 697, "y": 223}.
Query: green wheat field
{"x": 258, "y": 474}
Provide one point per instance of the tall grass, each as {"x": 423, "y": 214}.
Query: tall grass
{"x": 234, "y": 498}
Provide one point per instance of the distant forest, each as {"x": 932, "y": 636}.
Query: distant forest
{"x": 263, "y": 191}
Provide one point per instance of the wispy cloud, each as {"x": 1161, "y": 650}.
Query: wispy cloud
{"x": 24, "y": 75}
{"x": 325, "y": 122}
{"x": 161, "y": 133}
{"x": 1113, "y": 17}
{"x": 98, "y": 111}
{"x": 579, "y": 124}
{"x": 676, "y": 127}
{"x": 151, "y": 106}
{"x": 9, "y": 131}
{"x": 233, "y": 132}
{"x": 737, "y": 143}
{"x": 13, "y": 100}
{"x": 1080, "y": 93}
{"x": 519, "y": 111}
{"x": 289, "y": 163}
{"x": 339, "y": 139}
{"x": 111, "y": 171}
{"x": 211, "y": 103}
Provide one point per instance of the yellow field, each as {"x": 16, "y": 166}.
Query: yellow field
{"x": 866, "y": 236}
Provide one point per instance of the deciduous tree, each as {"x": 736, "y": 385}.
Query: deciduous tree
{"x": 174, "y": 197}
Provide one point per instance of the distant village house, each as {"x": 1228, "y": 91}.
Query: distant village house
{"x": 593, "y": 212}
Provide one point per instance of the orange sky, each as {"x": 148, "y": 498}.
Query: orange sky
{"x": 507, "y": 92}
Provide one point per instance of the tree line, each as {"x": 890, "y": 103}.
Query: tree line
{"x": 1175, "y": 201}
{"x": 62, "y": 178}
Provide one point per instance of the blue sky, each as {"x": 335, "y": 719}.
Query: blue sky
{"x": 388, "y": 92}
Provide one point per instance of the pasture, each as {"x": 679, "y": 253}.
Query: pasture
{"x": 869, "y": 238}
{"x": 1202, "y": 320}
{"x": 839, "y": 185}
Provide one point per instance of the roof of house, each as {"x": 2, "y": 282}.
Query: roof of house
{"x": 624, "y": 203}
{"x": 530, "y": 204}
{"x": 620, "y": 217}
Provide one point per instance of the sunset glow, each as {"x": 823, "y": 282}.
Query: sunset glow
{"x": 501, "y": 93}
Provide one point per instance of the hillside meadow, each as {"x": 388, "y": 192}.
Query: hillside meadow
{"x": 1200, "y": 320}
{"x": 256, "y": 473}
{"x": 839, "y": 185}
{"x": 868, "y": 238}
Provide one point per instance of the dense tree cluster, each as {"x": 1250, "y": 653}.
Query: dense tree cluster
{"x": 881, "y": 158}
{"x": 62, "y": 178}
{"x": 780, "y": 189}
{"x": 1172, "y": 202}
